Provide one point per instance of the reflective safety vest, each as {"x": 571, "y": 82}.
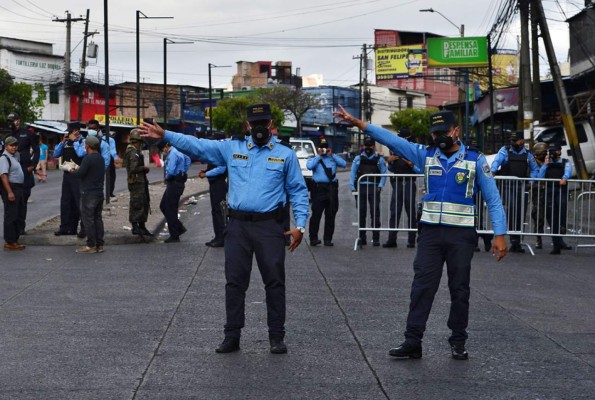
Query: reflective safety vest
{"x": 449, "y": 192}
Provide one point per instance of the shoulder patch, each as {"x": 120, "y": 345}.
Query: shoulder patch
{"x": 276, "y": 160}
{"x": 486, "y": 170}
{"x": 240, "y": 156}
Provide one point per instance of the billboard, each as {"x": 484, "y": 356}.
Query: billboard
{"x": 458, "y": 52}
{"x": 505, "y": 67}
{"x": 400, "y": 62}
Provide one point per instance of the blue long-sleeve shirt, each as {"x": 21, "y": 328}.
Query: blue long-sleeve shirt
{"x": 416, "y": 153}
{"x": 331, "y": 162}
{"x": 212, "y": 173}
{"x": 112, "y": 146}
{"x": 355, "y": 167}
{"x": 502, "y": 159}
{"x": 260, "y": 178}
{"x": 79, "y": 148}
{"x": 176, "y": 163}
{"x": 567, "y": 169}
{"x": 105, "y": 153}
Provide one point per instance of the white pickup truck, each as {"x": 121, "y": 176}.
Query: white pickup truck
{"x": 304, "y": 149}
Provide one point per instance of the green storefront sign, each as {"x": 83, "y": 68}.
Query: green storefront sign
{"x": 458, "y": 52}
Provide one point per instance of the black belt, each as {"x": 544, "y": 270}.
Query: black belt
{"x": 253, "y": 216}
{"x": 19, "y": 185}
{"x": 326, "y": 183}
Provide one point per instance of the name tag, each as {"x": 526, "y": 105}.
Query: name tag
{"x": 435, "y": 172}
{"x": 276, "y": 160}
{"x": 240, "y": 156}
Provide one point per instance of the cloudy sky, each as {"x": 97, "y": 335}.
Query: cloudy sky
{"x": 319, "y": 37}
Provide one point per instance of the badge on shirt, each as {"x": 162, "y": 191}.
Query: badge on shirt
{"x": 460, "y": 178}
{"x": 435, "y": 172}
{"x": 486, "y": 170}
{"x": 240, "y": 156}
{"x": 276, "y": 160}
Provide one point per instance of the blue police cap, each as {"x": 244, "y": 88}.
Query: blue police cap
{"x": 259, "y": 112}
{"x": 442, "y": 121}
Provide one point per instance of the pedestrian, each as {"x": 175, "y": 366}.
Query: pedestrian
{"x": 404, "y": 190}
{"x": 538, "y": 195}
{"x": 91, "y": 174}
{"x": 28, "y": 149}
{"x": 41, "y": 169}
{"x": 72, "y": 150}
{"x": 261, "y": 173}
{"x": 556, "y": 193}
{"x": 325, "y": 192}
{"x": 453, "y": 174}
{"x": 370, "y": 187}
{"x": 12, "y": 178}
{"x": 138, "y": 185}
{"x": 515, "y": 161}
{"x": 176, "y": 175}
{"x": 94, "y": 124}
{"x": 217, "y": 176}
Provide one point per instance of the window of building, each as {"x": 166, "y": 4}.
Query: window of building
{"x": 54, "y": 93}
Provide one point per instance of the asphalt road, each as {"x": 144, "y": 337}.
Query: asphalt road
{"x": 142, "y": 321}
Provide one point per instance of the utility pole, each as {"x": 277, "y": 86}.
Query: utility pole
{"x": 535, "y": 66}
{"x": 525, "y": 116}
{"x": 567, "y": 119}
{"x": 69, "y": 20}
{"x": 367, "y": 113}
{"x": 84, "y": 66}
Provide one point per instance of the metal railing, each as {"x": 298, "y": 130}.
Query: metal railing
{"x": 533, "y": 207}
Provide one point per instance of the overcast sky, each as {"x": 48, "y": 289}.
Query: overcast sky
{"x": 319, "y": 37}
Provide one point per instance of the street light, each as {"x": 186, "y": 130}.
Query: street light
{"x": 165, "y": 42}
{"x": 461, "y": 28}
{"x": 139, "y": 15}
{"x": 211, "y": 95}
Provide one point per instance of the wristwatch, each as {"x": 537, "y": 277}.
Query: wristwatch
{"x": 301, "y": 229}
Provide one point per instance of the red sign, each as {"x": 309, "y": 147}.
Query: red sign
{"x": 93, "y": 103}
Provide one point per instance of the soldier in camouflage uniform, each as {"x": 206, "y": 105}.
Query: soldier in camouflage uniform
{"x": 137, "y": 185}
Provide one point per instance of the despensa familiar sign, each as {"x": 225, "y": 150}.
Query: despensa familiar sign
{"x": 458, "y": 52}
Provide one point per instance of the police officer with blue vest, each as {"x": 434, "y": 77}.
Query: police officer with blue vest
{"x": 515, "y": 161}
{"x": 556, "y": 194}
{"x": 71, "y": 148}
{"x": 261, "y": 174}
{"x": 368, "y": 162}
{"x": 176, "y": 174}
{"x": 453, "y": 174}
{"x": 325, "y": 192}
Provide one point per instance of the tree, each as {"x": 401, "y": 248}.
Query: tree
{"x": 18, "y": 97}
{"x": 230, "y": 114}
{"x": 417, "y": 121}
{"x": 291, "y": 100}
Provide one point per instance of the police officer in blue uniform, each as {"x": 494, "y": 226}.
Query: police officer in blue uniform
{"x": 176, "y": 174}
{"x": 71, "y": 148}
{"x": 325, "y": 192}
{"x": 368, "y": 162}
{"x": 453, "y": 174}
{"x": 217, "y": 176}
{"x": 556, "y": 194}
{"x": 261, "y": 174}
{"x": 404, "y": 189}
{"x": 515, "y": 161}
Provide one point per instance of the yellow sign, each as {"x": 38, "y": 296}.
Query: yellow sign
{"x": 400, "y": 62}
{"x": 117, "y": 119}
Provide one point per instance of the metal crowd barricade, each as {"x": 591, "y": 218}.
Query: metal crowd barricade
{"x": 533, "y": 207}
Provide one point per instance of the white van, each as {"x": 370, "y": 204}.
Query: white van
{"x": 304, "y": 149}
{"x": 557, "y": 134}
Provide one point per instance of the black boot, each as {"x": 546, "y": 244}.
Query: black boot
{"x": 136, "y": 229}
{"x": 144, "y": 230}
{"x": 229, "y": 345}
{"x": 539, "y": 244}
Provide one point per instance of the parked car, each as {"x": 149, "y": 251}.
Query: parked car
{"x": 304, "y": 149}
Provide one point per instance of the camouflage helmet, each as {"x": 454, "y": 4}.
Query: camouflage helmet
{"x": 540, "y": 147}
{"x": 135, "y": 136}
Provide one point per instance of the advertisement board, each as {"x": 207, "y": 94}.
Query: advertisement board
{"x": 458, "y": 52}
{"x": 400, "y": 62}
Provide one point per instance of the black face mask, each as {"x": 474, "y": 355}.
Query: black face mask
{"x": 517, "y": 147}
{"x": 369, "y": 151}
{"x": 443, "y": 142}
{"x": 12, "y": 126}
{"x": 260, "y": 135}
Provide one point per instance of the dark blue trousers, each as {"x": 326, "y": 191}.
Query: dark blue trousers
{"x": 169, "y": 206}
{"x": 69, "y": 204}
{"x": 325, "y": 198}
{"x": 14, "y": 214}
{"x": 438, "y": 244}
{"x": 557, "y": 207}
{"x": 369, "y": 194}
{"x": 403, "y": 194}
{"x": 243, "y": 240}
{"x": 218, "y": 193}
